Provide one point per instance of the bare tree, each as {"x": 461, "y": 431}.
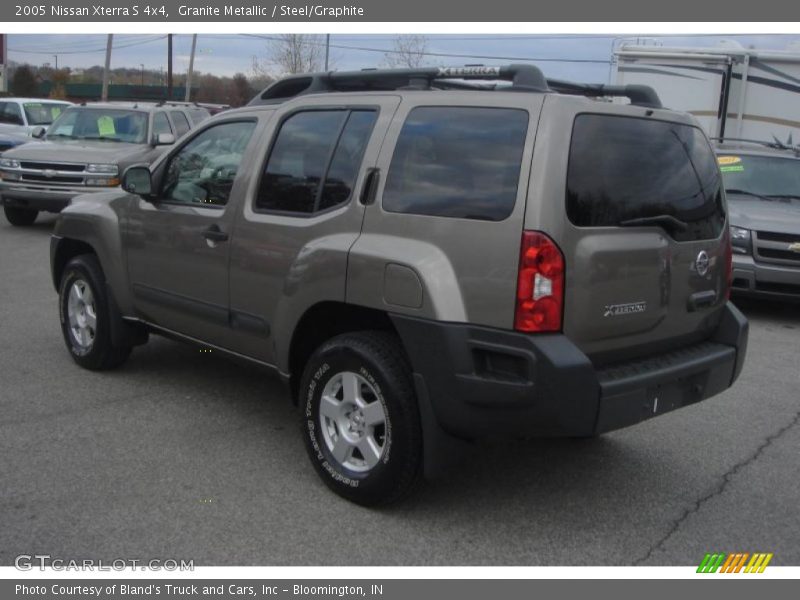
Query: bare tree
{"x": 407, "y": 51}
{"x": 290, "y": 53}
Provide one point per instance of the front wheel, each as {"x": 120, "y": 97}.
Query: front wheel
{"x": 20, "y": 217}
{"x": 361, "y": 421}
{"x": 86, "y": 315}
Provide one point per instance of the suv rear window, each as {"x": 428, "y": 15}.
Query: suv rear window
{"x": 627, "y": 168}
{"x": 457, "y": 162}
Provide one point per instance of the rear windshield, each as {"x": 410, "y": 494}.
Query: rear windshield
{"x": 761, "y": 176}
{"x": 624, "y": 168}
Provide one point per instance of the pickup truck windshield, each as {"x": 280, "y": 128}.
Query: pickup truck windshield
{"x": 43, "y": 113}
{"x": 767, "y": 177}
{"x": 110, "y": 124}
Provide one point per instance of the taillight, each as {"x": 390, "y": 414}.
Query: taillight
{"x": 540, "y": 284}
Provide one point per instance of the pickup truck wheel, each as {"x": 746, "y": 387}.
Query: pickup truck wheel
{"x": 20, "y": 217}
{"x": 360, "y": 419}
{"x": 86, "y": 315}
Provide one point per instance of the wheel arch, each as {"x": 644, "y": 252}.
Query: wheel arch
{"x": 321, "y": 322}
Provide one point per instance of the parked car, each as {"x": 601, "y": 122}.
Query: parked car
{"x": 423, "y": 263}
{"x": 85, "y": 150}
{"x": 762, "y": 183}
{"x": 22, "y": 115}
{"x": 9, "y": 139}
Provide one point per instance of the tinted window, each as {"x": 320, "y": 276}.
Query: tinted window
{"x": 203, "y": 171}
{"x": 11, "y": 114}
{"x": 161, "y": 124}
{"x": 198, "y": 114}
{"x": 347, "y": 159}
{"x": 312, "y": 147}
{"x": 100, "y": 123}
{"x": 457, "y": 162}
{"x": 623, "y": 168}
{"x": 763, "y": 176}
{"x": 180, "y": 121}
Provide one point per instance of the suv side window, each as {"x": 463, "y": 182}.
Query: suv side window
{"x": 180, "y": 121}
{"x": 161, "y": 123}
{"x": 453, "y": 161}
{"x": 203, "y": 170}
{"x": 315, "y": 160}
{"x": 11, "y": 114}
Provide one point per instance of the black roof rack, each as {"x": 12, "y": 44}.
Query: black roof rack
{"x": 522, "y": 78}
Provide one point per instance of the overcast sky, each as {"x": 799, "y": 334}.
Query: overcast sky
{"x": 228, "y": 54}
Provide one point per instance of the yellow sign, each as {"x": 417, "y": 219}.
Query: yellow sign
{"x": 729, "y": 160}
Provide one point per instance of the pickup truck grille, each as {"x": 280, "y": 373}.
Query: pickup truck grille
{"x": 41, "y": 166}
{"x": 52, "y": 174}
{"x": 773, "y": 247}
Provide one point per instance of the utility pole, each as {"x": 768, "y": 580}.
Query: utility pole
{"x": 107, "y": 68}
{"x": 190, "y": 72}
{"x": 56, "y": 57}
{"x": 142, "y": 65}
{"x": 169, "y": 66}
{"x": 327, "y": 49}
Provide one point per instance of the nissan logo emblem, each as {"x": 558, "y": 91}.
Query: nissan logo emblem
{"x": 701, "y": 263}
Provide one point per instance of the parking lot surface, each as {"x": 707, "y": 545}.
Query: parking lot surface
{"x": 187, "y": 455}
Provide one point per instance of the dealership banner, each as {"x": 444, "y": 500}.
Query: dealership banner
{"x": 289, "y": 11}
{"x": 390, "y": 589}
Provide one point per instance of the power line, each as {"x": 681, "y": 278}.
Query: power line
{"x": 94, "y": 51}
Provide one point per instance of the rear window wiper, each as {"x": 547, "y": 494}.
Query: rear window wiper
{"x": 781, "y": 196}
{"x": 745, "y": 193}
{"x": 667, "y": 221}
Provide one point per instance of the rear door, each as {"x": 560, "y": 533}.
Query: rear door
{"x": 634, "y": 286}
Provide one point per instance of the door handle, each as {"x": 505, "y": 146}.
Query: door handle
{"x": 701, "y": 300}
{"x": 215, "y": 234}
{"x": 370, "y": 188}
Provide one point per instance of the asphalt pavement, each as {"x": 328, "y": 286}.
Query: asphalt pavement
{"x": 188, "y": 455}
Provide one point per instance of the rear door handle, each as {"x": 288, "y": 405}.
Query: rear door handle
{"x": 701, "y": 300}
{"x": 370, "y": 188}
{"x": 215, "y": 234}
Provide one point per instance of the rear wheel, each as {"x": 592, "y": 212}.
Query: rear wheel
{"x": 20, "y": 217}
{"x": 360, "y": 420}
{"x": 86, "y": 315}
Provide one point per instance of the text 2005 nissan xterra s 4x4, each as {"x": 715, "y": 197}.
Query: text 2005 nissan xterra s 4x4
{"x": 424, "y": 259}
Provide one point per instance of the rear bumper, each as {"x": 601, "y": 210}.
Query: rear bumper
{"x": 42, "y": 198}
{"x": 751, "y": 278}
{"x": 477, "y": 382}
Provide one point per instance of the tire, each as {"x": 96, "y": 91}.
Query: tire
{"x": 20, "y": 217}
{"x": 86, "y": 315}
{"x": 373, "y": 365}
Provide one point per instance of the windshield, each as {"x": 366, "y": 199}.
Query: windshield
{"x": 764, "y": 176}
{"x": 111, "y": 124}
{"x": 43, "y": 113}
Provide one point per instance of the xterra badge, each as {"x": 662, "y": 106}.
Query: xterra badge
{"x": 616, "y": 310}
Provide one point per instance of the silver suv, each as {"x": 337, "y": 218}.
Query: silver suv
{"x": 425, "y": 260}
{"x": 85, "y": 150}
{"x": 762, "y": 182}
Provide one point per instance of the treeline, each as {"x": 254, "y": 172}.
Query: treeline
{"x": 236, "y": 90}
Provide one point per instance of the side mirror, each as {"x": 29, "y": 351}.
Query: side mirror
{"x": 165, "y": 139}
{"x": 38, "y": 132}
{"x": 136, "y": 180}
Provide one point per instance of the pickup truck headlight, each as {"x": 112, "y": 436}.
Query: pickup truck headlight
{"x": 9, "y": 163}
{"x": 740, "y": 240}
{"x": 102, "y": 168}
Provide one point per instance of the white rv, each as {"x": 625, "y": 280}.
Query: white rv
{"x": 734, "y": 92}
